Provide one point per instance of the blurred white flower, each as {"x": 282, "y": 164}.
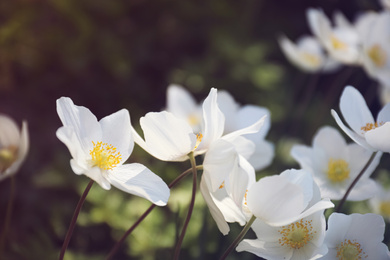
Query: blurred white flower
{"x": 355, "y": 236}
{"x": 341, "y": 41}
{"x": 99, "y": 149}
{"x": 302, "y": 239}
{"x": 307, "y": 54}
{"x": 375, "y": 30}
{"x": 380, "y": 204}
{"x": 14, "y": 145}
{"x": 385, "y": 4}
{"x": 372, "y": 135}
{"x": 280, "y": 200}
{"x": 335, "y": 164}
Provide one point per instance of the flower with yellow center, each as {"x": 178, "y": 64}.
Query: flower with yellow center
{"x": 297, "y": 234}
{"x": 334, "y": 164}
{"x": 363, "y": 128}
{"x": 380, "y": 204}
{"x": 377, "y": 55}
{"x": 100, "y": 148}
{"x": 13, "y": 146}
{"x": 355, "y": 236}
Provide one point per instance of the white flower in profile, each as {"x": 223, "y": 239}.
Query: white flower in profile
{"x": 380, "y": 204}
{"x": 335, "y": 164}
{"x": 341, "y": 41}
{"x": 375, "y": 44}
{"x": 280, "y": 200}
{"x": 307, "y": 54}
{"x": 355, "y": 236}
{"x": 364, "y": 130}
{"x": 99, "y": 149}
{"x": 14, "y": 145}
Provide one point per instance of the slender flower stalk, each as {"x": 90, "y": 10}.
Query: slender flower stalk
{"x": 74, "y": 219}
{"x": 238, "y": 238}
{"x": 355, "y": 181}
{"x": 191, "y": 207}
{"x": 8, "y": 215}
{"x": 146, "y": 213}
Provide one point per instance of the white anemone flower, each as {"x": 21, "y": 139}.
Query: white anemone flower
{"x": 99, "y": 149}
{"x": 307, "y": 54}
{"x": 364, "y": 130}
{"x": 14, "y": 145}
{"x": 385, "y": 4}
{"x": 280, "y": 200}
{"x": 355, "y": 236}
{"x": 376, "y": 47}
{"x": 380, "y": 204}
{"x": 341, "y": 41}
{"x": 335, "y": 164}
{"x": 302, "y": 239}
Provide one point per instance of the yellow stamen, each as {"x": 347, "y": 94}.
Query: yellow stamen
{"x": 296, "y": 235}
{"x": 370, "y": 126}
{"x": 222, "y": 185}
{"x": 198, "y": 140}
{"x": 337, "y": 44}
{"x": 193, "y": 119}
{"x": 7, "y": 157}
{"x": 312, "y": 59}
{"x": 105, "y": 156}
{"x": 384, "y": 208}
{"x": 350, "y": 250}
{"x": 338, "y": 170}
{"x": 377, "y": 55}
{"x": 245, "y": 197}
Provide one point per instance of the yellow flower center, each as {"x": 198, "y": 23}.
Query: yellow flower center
{"x": 370, "y": 126}
{"x": 105, "y": 156}
{"x": 337, "y": 44}
{"x": 338, "y": 170}
{"x": 377, "y": 55}
{"x": 350, "y": 250}
{"x": 7, "y": 157}
{"x": 296, "y": 235}
{"x": 312, "y": 59}
{"x": 193, "y": 119}
{"x": 384, "y": 208}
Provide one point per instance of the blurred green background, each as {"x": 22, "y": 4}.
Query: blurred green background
{"x": 108, "y": 55}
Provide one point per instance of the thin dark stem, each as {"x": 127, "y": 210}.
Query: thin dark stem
{"x": 238, "y": 238}
{"x": 146, "y": 213}
{"x": 355, "y": 181}
{"x": 190, "y": 209}
{"x": 8, "y": 215}
{"x": 74, "y": 220}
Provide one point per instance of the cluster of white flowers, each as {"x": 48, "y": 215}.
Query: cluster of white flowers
{"x": 364, "y": 42}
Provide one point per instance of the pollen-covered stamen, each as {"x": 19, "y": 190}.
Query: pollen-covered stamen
{"x": 350, "y": 250}
{"x": 377, "y": 55}
{"x": 384, "y": 208}
{"x": 338, "y": 170}
{"x": 222, "y": 185}
{"x": 337, "y": 44}
{"x": 312, "y": 59}
{"x": 105, "y": 156}
{"x": 245, "y": 197}
{"x": 7, "y": 157}
{"x": 198, "y": 140}
{"x": 370, "y": 126}
{"x": 297, "y": 235}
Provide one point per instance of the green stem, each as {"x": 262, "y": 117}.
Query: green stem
{"x": 146, "y": 213}
{"x": 190, "y": 209}
{"x": 239, "y": 237}
{"x": 74, "y": 219}
{"x": 8, "y": 215}
{"x": 355, "y": 181}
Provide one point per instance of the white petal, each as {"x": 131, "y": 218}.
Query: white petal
{"x": 9, "y": 132}
{"x": 379, "y": 138}
{"x": 384, "y": 114}
{"x": 167, "y": 137}
{"x": 354, "y": 109}
{"x": 330, "y": 140}
{"x": 254, "y": 128}
{"x": 116, "y": 130}
{"x": 136, "y": 179}
{"x": 250, "y": 114}
{"x": 213, "y": 121}
{"x": 81, "y": 119}
{"x": 95, "y": 173}
{"x": 180, "y": 102}
{"x": 263, "y": 155}
{"x": 302, "y": 178}
{"x": 229, "y": 108}
{"x": 262, "y": 249}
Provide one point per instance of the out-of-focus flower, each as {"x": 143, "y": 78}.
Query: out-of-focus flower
{"x": 380, "y": 204}
{"x": 341, "y": 41}
{"x": 367, "y": 132}
{"x": 99, "y": 149}
{"x": 307, "y": 54}
{"x": 280, "y": 200}
{"x": 385, "y": 4}
{"x": 355, "y": 236}
{"x": 302, "y": 239}
{"x": 335, "y": 164}
{"x": 14, "y": 145}
{"x": 376, "y": 48}
{"x": 384, "y": 94}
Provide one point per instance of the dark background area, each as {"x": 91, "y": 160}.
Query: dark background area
{"x": 108, "y": 55}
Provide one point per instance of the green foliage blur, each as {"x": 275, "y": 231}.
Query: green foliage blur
{"x": 108, "y": 55}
